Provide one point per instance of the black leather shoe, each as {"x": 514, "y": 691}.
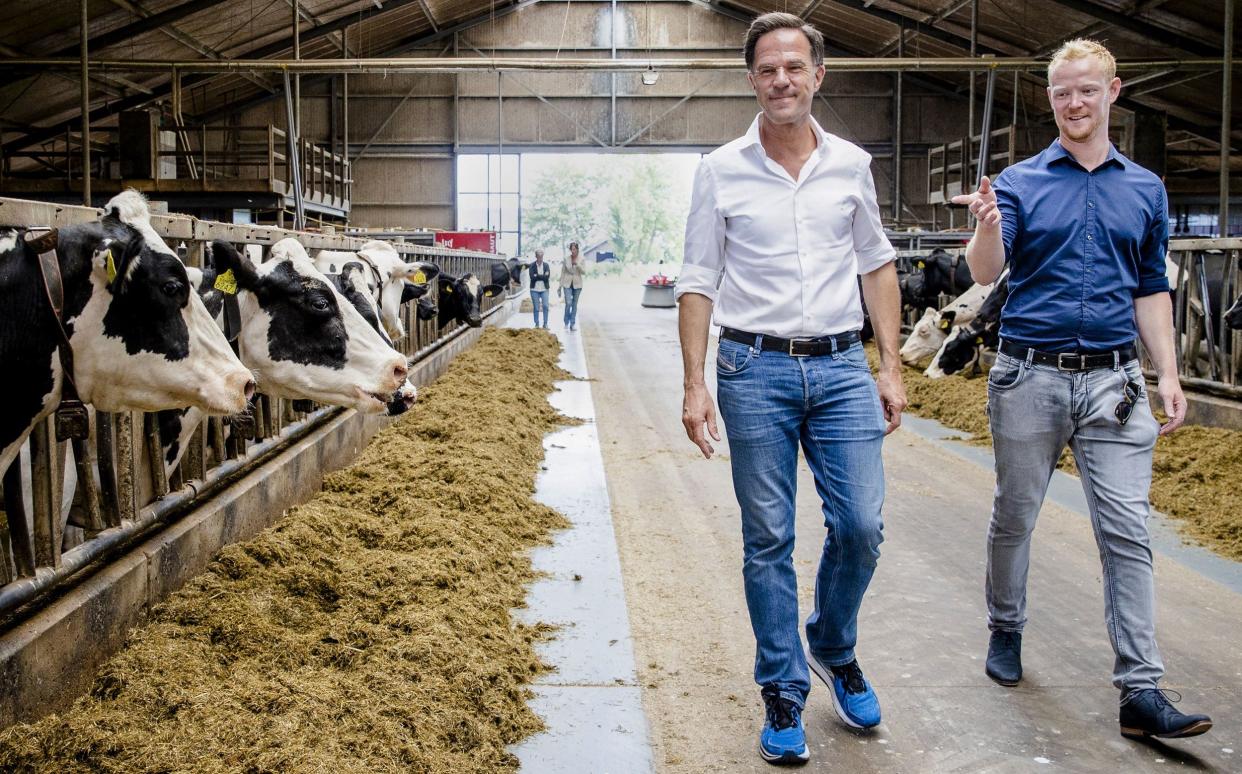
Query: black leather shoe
{"x": 1148, "y": 712}
{"x": 1005, "y": 658}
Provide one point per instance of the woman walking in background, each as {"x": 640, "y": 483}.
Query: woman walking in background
{"x": 571, "y": 285}
{"x": 540, "y": 285}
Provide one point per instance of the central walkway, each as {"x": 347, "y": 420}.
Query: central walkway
{"x": 923, "y": 628}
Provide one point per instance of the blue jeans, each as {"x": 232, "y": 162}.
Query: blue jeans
{"x": 571, "y": 306}
{"x": 539, "y": 300}
{"x": 1035, "y": 411}
{"x": 771, "y": 404}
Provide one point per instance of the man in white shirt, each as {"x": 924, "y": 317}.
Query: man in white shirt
{"x": 782, "y": 223}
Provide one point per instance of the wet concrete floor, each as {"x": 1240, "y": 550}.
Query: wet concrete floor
{"x": 923, "y": 629}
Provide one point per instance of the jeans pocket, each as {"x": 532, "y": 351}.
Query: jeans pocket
{"x": 1006, "y": 373}
{"x": 733, "y": 358}
{"x": 854, "y": 356}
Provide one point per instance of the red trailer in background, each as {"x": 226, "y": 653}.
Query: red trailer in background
{"x": 481, "y": 241}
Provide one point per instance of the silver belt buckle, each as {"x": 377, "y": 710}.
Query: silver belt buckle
{"x": 793, "y": 345}
{"x": 1061, "y": 361}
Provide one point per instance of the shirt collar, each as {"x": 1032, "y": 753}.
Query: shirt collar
{"x": 752, "y": 135}
{"x": 1056, "y": 152}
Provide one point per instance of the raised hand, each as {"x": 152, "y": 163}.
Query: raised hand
{"x": 982, "y": 204}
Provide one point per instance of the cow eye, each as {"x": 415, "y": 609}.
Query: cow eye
{"x": 172, "y": 288}
{"x": 319, "y": 304}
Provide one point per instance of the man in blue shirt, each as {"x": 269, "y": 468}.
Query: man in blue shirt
{"x": 1084, "y": 231}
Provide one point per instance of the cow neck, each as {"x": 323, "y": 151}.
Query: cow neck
{"x": 379, "y": 278}
{"x": 71, "y": 416}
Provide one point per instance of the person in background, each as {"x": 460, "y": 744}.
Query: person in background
{"x": 571, "y": 285}
{"x": 1084, "y": 231}
{"x": 540, "y": 285}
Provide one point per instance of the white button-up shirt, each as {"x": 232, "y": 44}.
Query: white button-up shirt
{"x": 780, "y": 256}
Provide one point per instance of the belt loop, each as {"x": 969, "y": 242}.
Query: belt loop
{"x": 833, "y": 339}
{"x": 1030, "y": 356}
{"x": 757, "y": 346}
{"x": 1116, "y": 360}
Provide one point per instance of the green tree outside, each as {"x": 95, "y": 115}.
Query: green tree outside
{"x": 563, "y": 206}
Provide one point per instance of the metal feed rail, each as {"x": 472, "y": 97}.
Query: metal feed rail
{"x": 58, "y": 542}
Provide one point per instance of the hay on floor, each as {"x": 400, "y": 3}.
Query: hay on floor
{"x": 370, "y": 629}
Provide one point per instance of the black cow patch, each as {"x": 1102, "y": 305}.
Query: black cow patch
{"x": 306, "y": 324}
{"x": 150, "y": 291}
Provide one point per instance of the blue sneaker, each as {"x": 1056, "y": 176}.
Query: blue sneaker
{"x": 782, "y": 741}
{"x": 856, "y": 704}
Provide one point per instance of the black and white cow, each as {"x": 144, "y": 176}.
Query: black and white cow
{"x": 933, "y": 327}
{"x": 1233, "y": 315}
{"x": 425, "y": 306}
{"x": 140, "y": 339}
{"x": 302, "y": 338}
{"x": 508, "y": 273}
{"x": 933, "y": 275}
{"x": 349, "y": 284}
{"x": 386, "y": 276}
{"x": 966, "y": 342}
{"x": 461, "y": 299}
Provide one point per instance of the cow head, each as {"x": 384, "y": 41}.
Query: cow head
{"x": 352, "y": 287}
{"x": 143, "y": 341}
{"x": 425, "y": 306}
{"x": 924, "y": 339}
{"x": 1233, "y": 316}
{"x": 393, "y": 272}
{"x": 461, "y": 299}
{"x": 302, "y": 337}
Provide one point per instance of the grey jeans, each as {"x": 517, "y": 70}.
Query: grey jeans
{"x": 1035, "y": 411}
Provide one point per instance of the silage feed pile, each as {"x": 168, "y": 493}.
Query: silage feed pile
{"x": 1196, "y": 473}
{"x": 370, "y": 629}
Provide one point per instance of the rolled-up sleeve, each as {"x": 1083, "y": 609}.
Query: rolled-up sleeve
{"x": 703, "y": 259}
{"x": 871, "y": 247}
{"x": 1007, "y": 203}
{"x": 1153, "y": 277}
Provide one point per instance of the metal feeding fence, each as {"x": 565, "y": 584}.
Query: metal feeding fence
{"x": 70, "y": 505}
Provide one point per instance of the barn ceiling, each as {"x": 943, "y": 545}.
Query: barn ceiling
{"x": 38, "y": 108}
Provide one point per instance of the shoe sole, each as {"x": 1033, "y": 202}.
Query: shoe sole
{"x": 1194, "y": 729}
{"x": 819, "y": 671}
{"x": 1006, "y": 683}
{"x": 785, "y": 758}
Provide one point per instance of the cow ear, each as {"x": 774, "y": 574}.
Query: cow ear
{"x": 490, "y": 291}
{"x": 234, "y": 270}
{"x": 410, "y": 291}
{"x": 419, "y": 272}
{"x": 447, "y": 281}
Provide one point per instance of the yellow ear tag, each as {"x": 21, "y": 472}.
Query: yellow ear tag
{"x": 944, "y": 325}
{"x": 978, "y": 339}
{"x": 920, "y": 265}
{"x": 419, "y": 278}
{"x": 226, "y": 283}
{"x": 111, "y": 266}
{"x": 446, "y": 289}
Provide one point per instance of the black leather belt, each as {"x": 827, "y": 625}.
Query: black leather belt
{"x": 1072, "y": 361}
{"x": 820, "y": 345}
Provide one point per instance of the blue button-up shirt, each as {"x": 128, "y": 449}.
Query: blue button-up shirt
{"x": 1081, "y": 247}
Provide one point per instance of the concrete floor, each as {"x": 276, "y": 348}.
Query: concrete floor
{"x": 922, "y": 628}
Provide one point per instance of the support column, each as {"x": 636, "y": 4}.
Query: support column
{"x": 86, "y": 112}
{"x": 1226, "y": 105}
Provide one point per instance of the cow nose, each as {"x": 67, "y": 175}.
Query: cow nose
{"x": 249, "y": 389}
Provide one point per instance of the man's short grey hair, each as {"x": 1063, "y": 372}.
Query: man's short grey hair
{"x": 538, "y": 253}
{"x": 770, "y": 22}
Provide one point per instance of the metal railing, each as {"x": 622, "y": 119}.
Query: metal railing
{"x": 1209, "y": 278}
{"x": 91, "y": 499}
